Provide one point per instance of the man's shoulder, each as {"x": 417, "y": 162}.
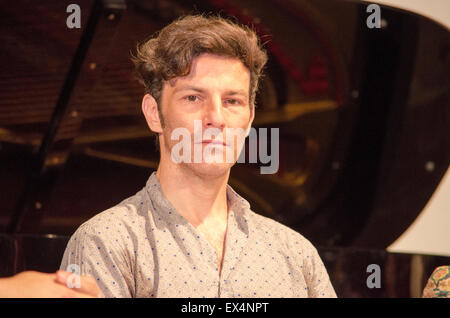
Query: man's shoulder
{"x": 271, "y": 225}
{"x": 282, "y": 233}
{"x": 127, "y": 214}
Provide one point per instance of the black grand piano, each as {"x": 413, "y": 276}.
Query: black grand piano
{"x": 363, "y": 114}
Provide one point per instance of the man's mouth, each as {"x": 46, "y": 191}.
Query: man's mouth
{"x": 214, "y": 142}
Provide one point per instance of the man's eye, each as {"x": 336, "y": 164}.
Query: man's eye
{"x": 191, "y": 98}
{"x": 233, "y": 102}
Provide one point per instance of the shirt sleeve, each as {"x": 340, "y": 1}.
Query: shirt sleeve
{"x": 316, "y": 276}
{"x": 91, "y": 251}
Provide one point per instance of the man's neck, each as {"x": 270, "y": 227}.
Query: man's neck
{"x": 199, "y": 199}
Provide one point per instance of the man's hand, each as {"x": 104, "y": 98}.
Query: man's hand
{"x": 88, "y": 286}
{"x": 31, "y": 284}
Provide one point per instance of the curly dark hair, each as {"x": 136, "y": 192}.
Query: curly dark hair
{"x": 170, "y": 52}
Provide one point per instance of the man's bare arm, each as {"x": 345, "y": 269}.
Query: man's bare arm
{"x": 32, "y": 284}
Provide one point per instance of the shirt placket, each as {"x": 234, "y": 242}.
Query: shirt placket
{"x": 208, "y": 260}
{"x": 234, "y": 245}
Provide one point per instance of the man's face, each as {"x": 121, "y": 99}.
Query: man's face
{"x": 215, "y": 94}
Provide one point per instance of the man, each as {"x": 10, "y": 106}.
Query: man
{"x": 187, "y": 233}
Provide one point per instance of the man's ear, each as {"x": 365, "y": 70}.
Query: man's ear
{"x": 151, "y": 113}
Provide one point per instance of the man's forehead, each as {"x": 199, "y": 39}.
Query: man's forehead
{"x": 206, "y": 62}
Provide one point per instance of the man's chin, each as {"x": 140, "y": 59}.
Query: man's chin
{"x": 212, "y": 170}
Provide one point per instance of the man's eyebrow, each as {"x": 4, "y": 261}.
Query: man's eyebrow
{"x": 236, "y": 92}
{"x": 201, "y": 90}
{"x": 189, "y": 88}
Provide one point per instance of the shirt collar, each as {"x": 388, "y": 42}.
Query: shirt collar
{"x": 237, "y": 205}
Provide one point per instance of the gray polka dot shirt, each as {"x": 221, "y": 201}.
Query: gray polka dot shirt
{"x": 143, "y": 248}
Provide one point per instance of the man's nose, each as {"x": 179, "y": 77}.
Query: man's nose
{"x": 213, "y": 116}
